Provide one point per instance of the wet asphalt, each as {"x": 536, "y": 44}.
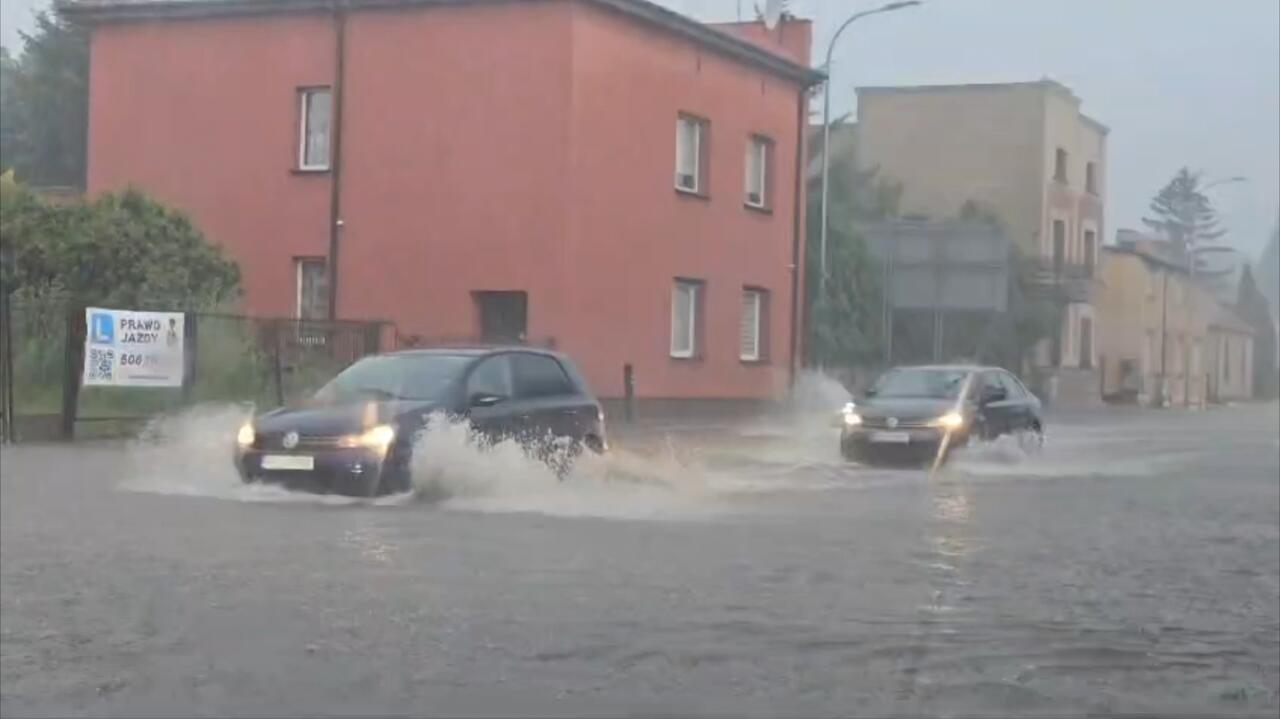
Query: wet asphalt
{"x": 1132, "y": 568}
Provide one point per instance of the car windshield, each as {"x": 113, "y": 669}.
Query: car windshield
{"x": 390, "y": 377}
{"x": 928, "y": 383}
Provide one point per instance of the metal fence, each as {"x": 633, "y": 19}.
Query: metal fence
{"x": 230, "y": 358}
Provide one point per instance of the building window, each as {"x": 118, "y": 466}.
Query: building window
{"x": 691, "y": 147}
{"x": 751, "y": 336}
{"x": 1060, "y": 165}
{"x": 685, "y": 309}
{"x": 1059, "y": 246}
{"x": 1091, "y": 178}
{"x": 757, "y": 180}
{"x": 1090, "y": 250}
{"x": 1226, "y": 361}
{"x": 312, "y": 285}
{"x": 314, "y": 107}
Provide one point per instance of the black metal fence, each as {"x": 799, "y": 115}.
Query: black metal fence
{"x": 229, "y": 358}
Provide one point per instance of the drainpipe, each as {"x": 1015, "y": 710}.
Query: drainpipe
{"x": 797, "y": 311}
{"x": 335, "y": 166}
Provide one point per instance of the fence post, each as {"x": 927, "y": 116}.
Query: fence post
{"x": 276, "y": 371}
{"x": 628, "y": 393}
{"x": 6, "y": 366}
{"x": 189, "y": 334}
{"x": 73, "y": 367}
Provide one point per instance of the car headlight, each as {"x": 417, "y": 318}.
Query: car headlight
{"x": 950, "y": 420}
{"x": 379, "y": 438}
{"x": 246, "y": 435}
{"x": 852, "y": 419}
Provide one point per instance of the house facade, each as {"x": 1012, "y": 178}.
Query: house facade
{"x": 1165, "y": 339}
{"x": 1023, "y": 151}
{"x": 604, "y": 176}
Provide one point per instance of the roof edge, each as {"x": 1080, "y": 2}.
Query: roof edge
{"x": 113, "y": 11}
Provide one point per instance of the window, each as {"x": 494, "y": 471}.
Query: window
{"x": 1060, "y": 165}
{"x": 1091, "y": 178}
{"x": 1090, "y": 250}
{"x": 757, "y": 180}
{"x": 492, "y": 377}
{"x": 684, "y": 318}
{"x": 539, "y": 376}
{"x": 312, "y": 285}
{"x": 315, "y": 105}
{"x": 1086, "y": 343}
{"x": 751, "y": 333}
{"x": 691, "y": 147}
{"x": 1226, "y": 361}
{"x": 1059, "y": 246}
{"x": 1012, "y": 387}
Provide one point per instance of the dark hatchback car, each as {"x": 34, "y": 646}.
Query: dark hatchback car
{"x": 907, "y": 412}
{"x": 356, "y": 434}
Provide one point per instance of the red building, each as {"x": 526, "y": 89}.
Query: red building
{"x": 604, "y": 174}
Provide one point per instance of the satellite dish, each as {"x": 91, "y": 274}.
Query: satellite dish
{"x": 773, "y": 10}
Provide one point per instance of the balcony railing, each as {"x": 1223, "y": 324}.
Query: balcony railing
{"x": 1069, "y": 280}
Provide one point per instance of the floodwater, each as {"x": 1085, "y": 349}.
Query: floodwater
{"x": 1131, "y": 567}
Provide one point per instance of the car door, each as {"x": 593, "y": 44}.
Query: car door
{"x": 1020, "y": 414}
{"x": 490, "y": 399}
{"x": 547, "y": 398}
{"x": 995, "y": 405}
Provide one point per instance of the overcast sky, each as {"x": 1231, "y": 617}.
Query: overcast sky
{"x": 1179, "y": 82}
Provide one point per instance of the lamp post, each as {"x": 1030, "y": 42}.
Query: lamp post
{"x": 826, "y": 130}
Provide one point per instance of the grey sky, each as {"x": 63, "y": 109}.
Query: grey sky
{"x": 1194, "y": 82}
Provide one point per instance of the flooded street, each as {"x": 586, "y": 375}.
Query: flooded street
{"x": 1133, "y": 567}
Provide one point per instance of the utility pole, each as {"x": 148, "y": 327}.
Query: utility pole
{"x": 1164, "y": 337}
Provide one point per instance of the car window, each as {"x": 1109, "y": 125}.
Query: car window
{"x": 921, "y": 382}
{"x": 539, "y": 376}
{"x": 491, "y": 377}
{"x": 403, "y": 376}
{"x": 1012, "y": 387}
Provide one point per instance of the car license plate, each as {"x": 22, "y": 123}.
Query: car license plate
{"x": 293, "y": 462}
{"x": 891, "y": 437}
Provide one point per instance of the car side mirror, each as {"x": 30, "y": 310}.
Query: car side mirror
{"x": 485, "y": 399}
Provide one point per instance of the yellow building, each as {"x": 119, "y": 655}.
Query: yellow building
{"x": 1023, "y": 150}
{"x": 1164, "y": 339}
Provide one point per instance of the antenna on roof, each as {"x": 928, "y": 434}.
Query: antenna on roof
{"x": 773, "y": 10}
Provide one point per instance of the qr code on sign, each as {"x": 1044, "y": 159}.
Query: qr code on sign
{"x": 100, "y": 363}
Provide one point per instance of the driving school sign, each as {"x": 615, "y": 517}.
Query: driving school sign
{"x": 133, "y": 349}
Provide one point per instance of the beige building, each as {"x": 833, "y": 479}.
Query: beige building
{"x": 1164, "y": 339}
{"x": 1229, "y": 359}
{"x": 1025, "y": 151}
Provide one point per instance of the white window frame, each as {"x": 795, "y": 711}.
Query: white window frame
{"x": 304, "y": 115}
{"x": 298, "y": 264}
{"x": 691, "y": 329}
{"x": 699, "y": 127}
{"x": 757, "y": 149}
{"x": 755, "y": 298}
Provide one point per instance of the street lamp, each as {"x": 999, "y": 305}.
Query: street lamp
{"x": 826, "y": 130}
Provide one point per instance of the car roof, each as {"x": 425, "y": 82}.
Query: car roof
{"x": 471, "y": 351}
{"x": 951, "y": 367}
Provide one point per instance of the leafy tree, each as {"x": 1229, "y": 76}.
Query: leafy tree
{"x": 844, "y": 324}
{"x": 1254, "y": 309}
{"x": 1183, "y": 214}
{"x": 121, "y": 250}
{"x": 1269, "y": 271}
{"x": 45, "y": 116}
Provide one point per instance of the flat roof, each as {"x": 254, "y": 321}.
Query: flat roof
{"x": 1045, "y": 84}
{"x": 110, "y": 11}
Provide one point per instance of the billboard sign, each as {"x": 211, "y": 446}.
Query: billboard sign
{"x": 133, "y": 349}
